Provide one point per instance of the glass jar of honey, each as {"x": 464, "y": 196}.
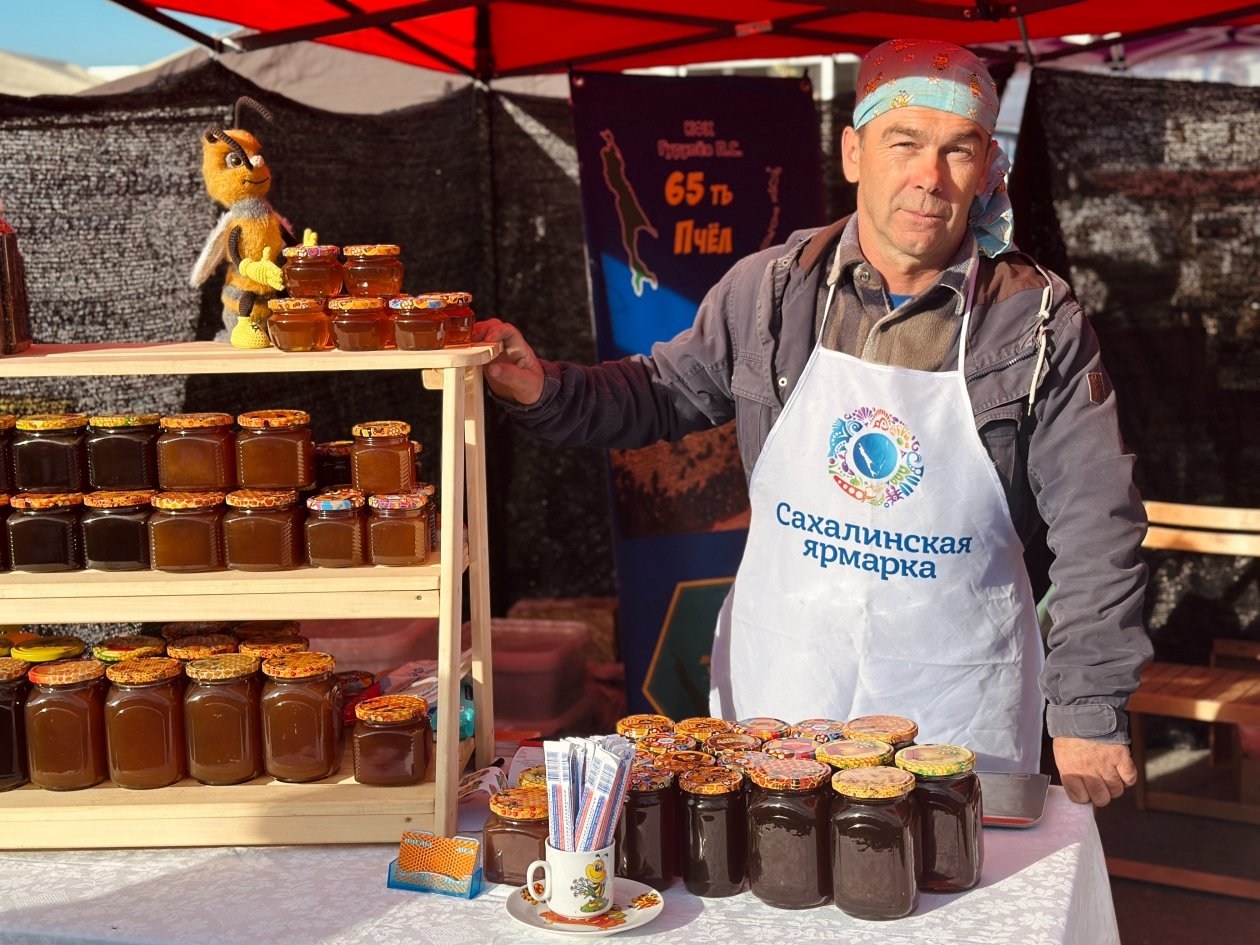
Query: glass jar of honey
{"x": 332, "y": 464}
{"x": 515, "y": 834}
{"x": 429, "y": 491}
{"x": 65, "y": 724}
{"x": 459, "y": 318}
{"x": 5, "y": 509}
{"x": 262, "y": 530}
{"x": 50, "y": 453}
{"x": 873, "y": 834}
{"x": 186, "y": 532}
{"x": 382, "y": 461}
{"x": 7, "y": 423}
{"x": 373, "y": 269}
{"x": 114, "y": 530}
{"x": 301, "y": 717}
{"x": 144, "y": 722}
{"x": 895, "y": 730}
{"x": 275, "y": 450}
{"x": 715, "y": 839}
{"x": 361, "y": 323}
{"x": 789, "y": 863}
{"x": 419, "y": 322}
{"x": 336, "y": 529}
{"x": 222, "y": 719}
{"x": 128, "y": 646}
{"x": 646, "y": 828}
{"x": 299, "y": 324}
{"x": 311, "y": 272}
{"x": 197, "y": 452}
{"x": 947, "y": 799}
{"x": 398, "y": 530}
{"x": 392, "y": 740}
{"x": 122, "y": 451}
{"x": 13, "y": 690}
{"x": 44, "y": 531}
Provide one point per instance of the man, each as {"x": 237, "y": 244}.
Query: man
{"x": 912, "y": 397}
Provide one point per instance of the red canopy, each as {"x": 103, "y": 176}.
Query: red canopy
{"x": 495, "y": 38}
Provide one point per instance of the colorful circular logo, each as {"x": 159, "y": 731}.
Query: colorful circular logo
{"x": 873, "y": 457}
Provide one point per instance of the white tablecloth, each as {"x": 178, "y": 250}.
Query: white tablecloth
{"x": 1046, "y": 885}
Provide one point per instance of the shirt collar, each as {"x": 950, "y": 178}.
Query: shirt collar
{"x": 848, "y": 259}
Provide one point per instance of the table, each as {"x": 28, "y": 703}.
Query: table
{"x": 1046, "y": 885}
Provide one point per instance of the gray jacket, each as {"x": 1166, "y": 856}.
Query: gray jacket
{"x": 1062, "y": 463}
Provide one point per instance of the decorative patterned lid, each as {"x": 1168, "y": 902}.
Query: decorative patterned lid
{"x": 711, "y": 780}
{"x": 820, "y": 730}
{"x": 303, "y": 252}
{"x": 11, "y": 669}
{"x": 790, "y": 774}
{"x": 187, "y": 500}
{"x": 312, "y": 306}
{"x": 372, "y": 249}
{"x": 742, "y": 759}
{"x": 199, "y": 647}
{"x": 533, "y": 777}
{"x": 225, "y": 666}
{"x": 7, "y": 421}
{"x": 265, "y": 648}
{"x": 679, "y": 761}
{"x": 118, "y": 500}
{"x": 416, "y": 303}
{"x": 660, "y": 742}
{"x": 46, "y": 500}
{"x": 790, "y": 747}
{"x": 732, "y": 741}
{"x": 357, "y": 303}
{"x": 267, "y": 630}
{"x": 143, "y": 669}
{"x": 124, "y": 419}
{"x": 52, "y": 421}
{"x": 388, "y": 709}
{"x": 336, "y": 500}
{"x": 195, "y": 421}
{"x": 335, "y": 448}
{"x": 872, "y": 783}
{"x": 763, "y": 728}
{"x": 273, "y": 419}
{"x": 47, "y": 649}
{"x": 636, "y": 726}
{"x": 399, "y": 500}
{"x": 175, "y": 631}
{"x": 452, "y": 299}
{"x": 381, "y": 428}
{"x": 299, "y": 665}
{"x": 701, "y": 727}
{"x": 64, "y": 672}
{"x": 520, "y": 804}
{"x": 354, "y": 680}
{"x": 855, "y": 753}
{"x": 936, "y": 761}
{"x": 128, "y": 646}
{"x": 262, "y": 498}
{"x": 648, "y": 777}
{"x": 887, "y": 728}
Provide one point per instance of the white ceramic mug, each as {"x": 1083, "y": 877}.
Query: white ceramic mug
{"x": 574, "y": 885}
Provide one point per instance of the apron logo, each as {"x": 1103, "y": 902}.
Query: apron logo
{"x": 873, "y": 457}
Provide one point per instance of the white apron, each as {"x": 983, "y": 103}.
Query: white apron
{"x": 882, "y": 573}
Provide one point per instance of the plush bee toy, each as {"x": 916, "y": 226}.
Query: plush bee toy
{"x": 249, "y": 234}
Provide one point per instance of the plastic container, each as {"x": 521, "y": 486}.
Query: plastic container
{"x": 539, "y": 667}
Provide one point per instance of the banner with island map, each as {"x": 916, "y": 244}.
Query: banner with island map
{"x": 681, "y": 178}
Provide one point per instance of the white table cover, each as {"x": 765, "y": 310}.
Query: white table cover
{"x": 1046, "y": 885}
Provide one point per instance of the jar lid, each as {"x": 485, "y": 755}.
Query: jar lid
{"x": 702, "y": 727}
{"x": 200, "y": 646}
{"x": 354, "y": 680}
{"x": 262, "y": 498}
{"x": 683, "y": 760}
{"x": 63, "y": 672}
{"x": 266, "y": 630}
{"x": 128, "y": 646}
{"x": 124, "y": 419}
{"x": 381, "y": 428}
{"x": 534, "y": 777}
{"x": 4, "y": 500}
{"x": 372, "y": 249}
{"x": 398, "y": 708}
{"x": 742, "y": 760}
{"x": 118, "y": 500}
{"x": 336, "y": 500}
{"x": 7, "y": 421}
{"x": 872, "y": 782}
{"x": 855, "y": 753}
{"x": 790, "y": 774}
{"x": 399, "y": 500}
{"x": 47, "y": 649}
{"x": 224, "y": 666}
{"x": 187, "y": 500}
{"x": 452, "y": 299}
{"x": 648, "y": 777}
{"x": 282, "y": 419}
{"x": 763, "y": 728}
{"x": 660, "y": 742}
{"x": 416, "y": 303}
{"x": 265, "y": 648}
{"x": 820, "y": 730}
{"x": 636, "y": 726}
{"x": 11, "y": 669}
{"x": 936, "y": 761}
{"x": 176, "y": 631}
{"x": 790, "y": 747}
{"x": 299, "y": 665}
{"x": 297, "y": 306}
{"x": 301, "y": 252}
{"x": 711, "y": 780}
{"x": 520, "y": 804}
{"x": 357, "y": 303}
{"x": 886, "y": 728}
{"x": 46, "y": 500}
{"x": 52, "y": 421}
{"x": 195, "y": 421}
{"x": 732, "y": 741}
{"x": 144, "y": 669}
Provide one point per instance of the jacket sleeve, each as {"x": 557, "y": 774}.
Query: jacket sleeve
{"x": 1082, "y": 478}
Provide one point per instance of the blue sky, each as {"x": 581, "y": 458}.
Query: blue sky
{"x": 92, "y": 32}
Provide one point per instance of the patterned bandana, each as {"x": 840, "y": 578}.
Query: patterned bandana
{"x": 928, "y": 73}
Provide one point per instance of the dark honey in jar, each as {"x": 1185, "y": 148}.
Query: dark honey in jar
{"x": 299, "y": 325}
{"x": 114, "y": 530}
{"x": 301, "y": 717}
{"x": 515, "y": 834}
{"x": 646, "y": 828}
{"x": 43, "y": 531}
{"x": 122, "y": 451}
{"x": 65, "y": 725}
{"x": 361, "y": 324}
{"x": 398, "y": 530}
{"x": 789, "y": 861}
{"x": 874, "y": 832}
{"x": 262, "y": 530}
{"x": 896, "y": 730}
{"x": 7, "y": 423}
{"x": 144, "y": 722}
{"x": 332, "y": 464}
{"x": 382, "y": 461}
{"x": 947, "y": 798}
{"x": 196, "y": 452}
{"x": 373, "y": 269}
{"x": 223, "y": 720}
{"x": 13, "y": 691}
{"x": 392, "y": 740}
{"x": 311, "y": 271}
{"x": 715, "y": 852}
{"x": 459, "y": 317}
{"x": 275, "y": 450}
{"x": 419, "y": 322}
{"x": 50, "y": 453}
{"x": 186, "y": 532}
{"x": 336, "y": 529}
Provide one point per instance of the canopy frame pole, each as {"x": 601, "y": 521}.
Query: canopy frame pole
{"x": 392, "y": 30}
{"x": 1210, "y": 19}
{"x": 1023, "y": 34}
{"x": 213, "y": 43}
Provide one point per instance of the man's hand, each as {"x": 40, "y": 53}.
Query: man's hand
{"x": 515, "y": 375}
{"x": 1094, "y": 771}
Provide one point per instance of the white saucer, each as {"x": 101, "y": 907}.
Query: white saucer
{"x": 634, "y": 904}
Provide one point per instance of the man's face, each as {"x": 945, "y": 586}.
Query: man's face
{"x": 918, "y": 170}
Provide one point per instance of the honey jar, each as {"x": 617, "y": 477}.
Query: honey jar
{"x": 789, "y": 861}
{"x": 275, "y": 450}
{"x": 311, "y": 272}
{"x": 336, "y": 529}
{"x": 459, "y": 318}
{"x": 43, "y": 531}
{"x": 114, "y": 530}
{"x": 429, "y": 491}
{"x": 715, "y": 846}
{"x": 262, "y": 530}
{"x": 5, "y": 509}
{"x": 299, "y": 324}
{"x": 419, "y": 322}
{"x": 186, "y": 532}
{"x": 65, "y": 724}
{"x": 361, "y": 323}
{"x": 122, "y": 451}
{"x": 373, "y": 269}
{"x": 947, "y": 801}
{"x": 144, "y": 722}
{"x": 13, "y": 691}
{"x": 392, "y": 740}
{"x": 397, "y": 527}
{"x": 301, "y": 717}
{"x": 197, "y": 452}
{"x": 382, "y": 461}
{"x": 222, "y": 719}
{"x": 646, "y": 829}
{"x": 874, "y": 830}
{"x": 332, "y": 464}
{"x": 7, "y": 423}
{"x": 50, "y": 453}
{"x": 515, "y": 834}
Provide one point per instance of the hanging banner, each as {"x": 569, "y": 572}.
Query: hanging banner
{"x": 681, "y": 178}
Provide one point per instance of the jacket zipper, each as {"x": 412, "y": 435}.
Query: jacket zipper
{"x": 994, "y": 368}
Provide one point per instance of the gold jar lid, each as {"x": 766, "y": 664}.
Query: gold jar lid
{"x": 176, "y": 631}
{"x": 790, "y": 774}
{"x": 520, "y": 804}
{"x": 309, "y": 252}
{"x": 261, "y": 498}
{"x": 124, "y": 419}
{"x": 887, "y": 728}
{"x": 398, "y": 500}
{"x": 299, "y": 665}
{"x": 357, "y": 303}
{"x": 64, "y": 672}
{"x": 701, "y": 728}
{"x": 387, "y": 709}
{"x": 199, "y": 647}
{"x": 417, "y": 303}
{"x": 732, "y": 741}
{"x": 143, "y": 670}
{"x": 451, "y": 299}
{"x": 52, "y": 421}
{"x": 46, "y": 500}
{"x": 372, "y": 249}
{"x": 262, "y": 649}
{"x": 195, "y": 421}
{"x": 7, "y": 421}
{"x": 187, "y": 500}
{"x": 224, "y": 666}
{"x": 11, "y": 669}
{"x": 660, "y": 742}
{"x": 533, "y": 777}
{"x": 118, "y": 499}
{"x": 936, "y": 761}
{"x": 298, "y": 306}
{"x": 47, "y": 649}
{"x": 710, "y": 780}
{"x": 855, "y": 753}
{"x": 762, "y": 727}
{"x": 128, "y": 646}
{"x": 273, "y": 419}
{"x": 871, "y": 783}
{"x": 374, "y": 428}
